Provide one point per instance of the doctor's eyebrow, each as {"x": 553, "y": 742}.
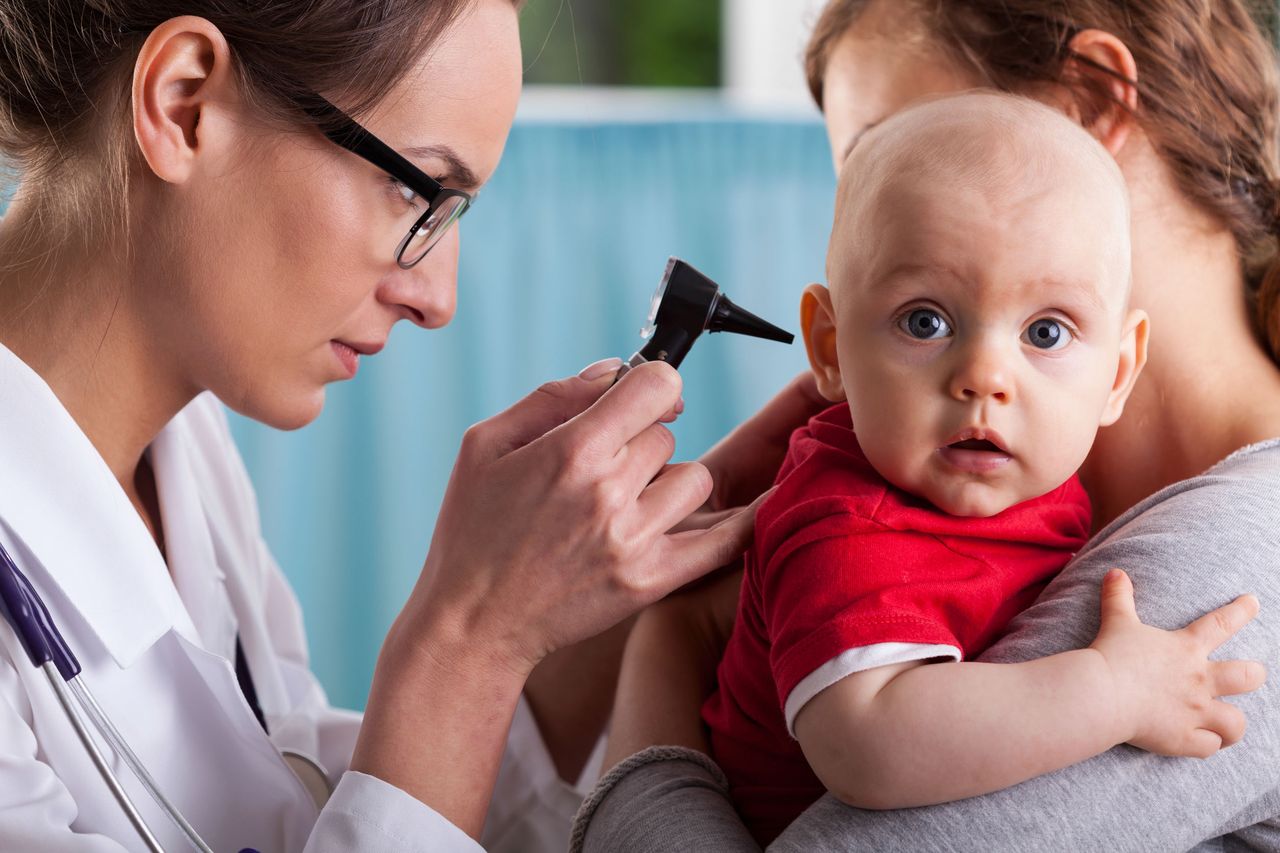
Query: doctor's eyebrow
{"x": 458, "y": 176}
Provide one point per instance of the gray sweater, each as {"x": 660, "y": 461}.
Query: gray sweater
{"x": 1189, "y": 548}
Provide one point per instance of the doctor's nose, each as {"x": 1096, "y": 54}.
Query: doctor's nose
{"x": 427, "y": 293}
{"x": 982, "y": 373}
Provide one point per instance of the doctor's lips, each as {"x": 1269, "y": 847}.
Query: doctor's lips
{"x": 349, "y": 352}
{"x": 976, "y": 450}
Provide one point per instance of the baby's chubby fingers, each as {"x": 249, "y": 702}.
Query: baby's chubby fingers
{"x": 1117, "y": 598}
{"x": 1226, "y": 721}
{"x": 1200, "y": 743}
{"x": 1215, "y": 628}
{"x": 1232, "y": 677}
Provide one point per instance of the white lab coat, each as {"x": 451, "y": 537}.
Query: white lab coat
{"x": 157, "y": 650}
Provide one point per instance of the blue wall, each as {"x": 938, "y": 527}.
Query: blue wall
{"x": 560, "y": 256}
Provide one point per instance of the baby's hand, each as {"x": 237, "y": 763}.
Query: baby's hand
{"x": 1166, "y": 686}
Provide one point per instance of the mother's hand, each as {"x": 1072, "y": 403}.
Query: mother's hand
{"x": 745, "y": 462}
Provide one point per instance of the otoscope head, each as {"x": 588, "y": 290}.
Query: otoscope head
{"x": 686, "y": 304}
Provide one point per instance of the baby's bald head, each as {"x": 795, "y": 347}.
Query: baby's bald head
{"x": 993, "y": 154}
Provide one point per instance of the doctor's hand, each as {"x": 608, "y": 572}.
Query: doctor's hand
{"x": 556, "y": 522}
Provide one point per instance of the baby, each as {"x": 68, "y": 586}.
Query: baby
{"x": 974, "y": 338}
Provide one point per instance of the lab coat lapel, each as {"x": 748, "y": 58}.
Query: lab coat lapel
{"x": 59, "y": 498}
{"x": 199, "y": 579}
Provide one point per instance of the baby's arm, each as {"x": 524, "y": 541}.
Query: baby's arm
{"x": 911, "y": 735}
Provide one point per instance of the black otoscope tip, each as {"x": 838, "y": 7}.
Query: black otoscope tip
{"x": 728, "y": 317}
{"x": 686, "y": 304}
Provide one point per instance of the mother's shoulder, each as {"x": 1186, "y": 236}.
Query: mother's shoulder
{"x": 1237, "y": 498}
{"x": 1191, "y": 547}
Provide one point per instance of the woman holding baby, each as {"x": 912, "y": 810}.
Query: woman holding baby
{"x": 1185, "y": 487}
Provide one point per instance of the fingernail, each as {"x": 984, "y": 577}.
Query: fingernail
{"x": 603, "y": 367}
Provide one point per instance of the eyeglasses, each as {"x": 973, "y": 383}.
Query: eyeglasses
{"x": 445, "y": 206}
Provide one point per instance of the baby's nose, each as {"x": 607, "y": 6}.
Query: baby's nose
{"x": 982, "y": 374}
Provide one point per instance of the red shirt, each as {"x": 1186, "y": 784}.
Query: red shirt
{"x": 848, "y": 572}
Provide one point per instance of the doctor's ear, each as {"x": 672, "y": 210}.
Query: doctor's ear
{"x": 818, "y": 325}
{"x": 182, "y": 86}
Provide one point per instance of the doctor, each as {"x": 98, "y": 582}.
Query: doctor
{"x": 195, "y": 227}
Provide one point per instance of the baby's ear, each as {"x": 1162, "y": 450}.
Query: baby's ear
{"x": 1133, "y": 356}
{"x": 818, "y": 324}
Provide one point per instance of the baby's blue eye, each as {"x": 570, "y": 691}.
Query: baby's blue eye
{"x": 1048, "y": 335}
{"x": 925, "y": 324}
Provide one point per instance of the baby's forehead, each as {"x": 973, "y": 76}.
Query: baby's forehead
{"x": 949, "y": 170}
{"x": 1016, "y": 246}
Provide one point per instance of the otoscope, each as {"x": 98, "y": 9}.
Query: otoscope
{"x": 685, "y": 305}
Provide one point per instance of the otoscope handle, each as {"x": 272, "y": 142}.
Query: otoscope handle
{"x": 636, "y": 361}
{"x": 667, "y": 343}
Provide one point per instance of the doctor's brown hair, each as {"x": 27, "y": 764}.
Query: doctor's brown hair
{"x": 66, "y": 72}
{"x": 1207, "y": 95}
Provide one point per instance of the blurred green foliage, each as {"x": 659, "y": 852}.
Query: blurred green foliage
{"x": 622, "y": 42}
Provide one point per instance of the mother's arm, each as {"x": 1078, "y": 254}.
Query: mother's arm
{"x": 1189, "y": 549}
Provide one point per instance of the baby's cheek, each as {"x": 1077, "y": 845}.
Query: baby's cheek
{"x": 891, "y": 450}
{"x": 1056, "y": 458}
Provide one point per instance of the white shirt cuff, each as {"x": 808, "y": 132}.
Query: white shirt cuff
{"x": 856, "y": 660}
{"x": 366, "y": 813}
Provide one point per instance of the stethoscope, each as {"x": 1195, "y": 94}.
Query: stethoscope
{"x": 26, "y": 613}
{"x": 686, "y": 304}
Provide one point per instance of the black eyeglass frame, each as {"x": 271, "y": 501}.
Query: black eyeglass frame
{"x": 346, "y": 132}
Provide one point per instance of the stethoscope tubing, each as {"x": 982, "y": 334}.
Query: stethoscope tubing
{"x": 82, "y": 731}
{"x": 30, "y": 619}
{"x": 117, "y": 742}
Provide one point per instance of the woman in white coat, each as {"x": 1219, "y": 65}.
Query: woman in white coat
{"x": 196, "y": 224}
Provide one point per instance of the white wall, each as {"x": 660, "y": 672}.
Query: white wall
{"x": 763, "y": 49}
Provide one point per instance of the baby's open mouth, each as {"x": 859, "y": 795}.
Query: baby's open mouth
{"x": 975, "y": 455}
{"x": 976, "y": 444}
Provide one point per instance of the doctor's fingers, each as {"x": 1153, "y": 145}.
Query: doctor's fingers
{"x": 639, "y": 400}
{"x": 675, "y": 493}
{"x": 685, "y": 557}
{"x": 644, "y": 458}
{"x": 551, "y": 405}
